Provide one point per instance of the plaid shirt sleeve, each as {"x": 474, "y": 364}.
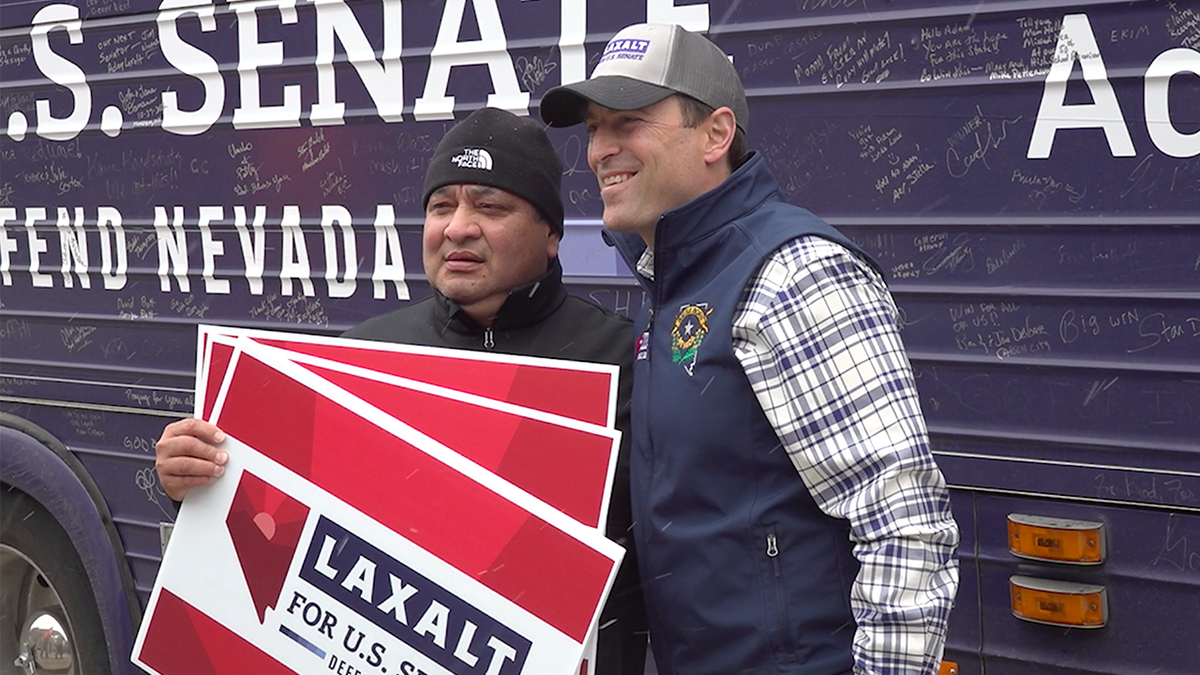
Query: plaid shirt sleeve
{"x": 817, "y": 336}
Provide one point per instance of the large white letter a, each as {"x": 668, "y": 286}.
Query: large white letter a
{"x": 1077, "y": 43}
{"x": 491, "y": 49}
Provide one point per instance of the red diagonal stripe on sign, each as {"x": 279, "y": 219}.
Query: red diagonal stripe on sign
{"x": 182, "y": 640}
{"x": 218, "y": 363}
{"x": 579, "y": 395}
{"x": 566, "y": 468}
{"x": 532, "y": 563}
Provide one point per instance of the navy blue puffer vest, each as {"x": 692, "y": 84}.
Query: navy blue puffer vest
{"x": 742, "y": 573}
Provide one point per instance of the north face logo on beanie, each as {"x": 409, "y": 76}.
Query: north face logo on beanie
{"x": 473, "y": 158}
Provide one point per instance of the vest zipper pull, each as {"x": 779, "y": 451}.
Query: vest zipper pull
{"x": 489, "y": 340}
{"x": 772, "y": 546}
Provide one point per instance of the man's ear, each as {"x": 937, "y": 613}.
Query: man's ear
{"x": 552, "y": 241}
{"x": 719, "y": 130}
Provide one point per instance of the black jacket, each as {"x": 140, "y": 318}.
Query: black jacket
{"x": 543, "y": 320}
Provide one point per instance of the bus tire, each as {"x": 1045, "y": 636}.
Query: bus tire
{"x": 42, "y": 581}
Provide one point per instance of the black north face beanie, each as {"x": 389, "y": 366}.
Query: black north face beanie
{"x": 496, "y": 148}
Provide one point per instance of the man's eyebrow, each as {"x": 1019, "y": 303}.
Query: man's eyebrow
{"x": 481, "y": 190}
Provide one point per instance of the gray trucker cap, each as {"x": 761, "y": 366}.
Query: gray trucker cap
{"x": 642, "y": 65}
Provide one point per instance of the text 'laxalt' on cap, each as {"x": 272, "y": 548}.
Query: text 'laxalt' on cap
{"x": 642, "y": 65}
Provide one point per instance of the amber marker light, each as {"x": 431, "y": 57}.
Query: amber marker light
{"x": 1078, "y": 542}
{"x": 1058, "y": 603}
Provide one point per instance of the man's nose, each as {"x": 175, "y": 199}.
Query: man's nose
{"x": 602, "y": 145}
{"x": 463, "y": 225}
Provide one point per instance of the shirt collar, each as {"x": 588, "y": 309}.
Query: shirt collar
{"x": 645, "y": 264}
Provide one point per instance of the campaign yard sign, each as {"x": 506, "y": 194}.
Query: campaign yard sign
{"x": 583, "y": 391}
{"x": 349, "y": 541}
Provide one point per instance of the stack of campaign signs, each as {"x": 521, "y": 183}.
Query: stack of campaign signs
{"x": 388, "y": 509}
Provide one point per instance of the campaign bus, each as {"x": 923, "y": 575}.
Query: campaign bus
{"x": 1026, "y": 173}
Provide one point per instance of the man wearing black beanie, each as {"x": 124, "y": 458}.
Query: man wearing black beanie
{"x": 493, "y": 222}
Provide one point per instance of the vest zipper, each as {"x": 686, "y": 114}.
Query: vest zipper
{"x": 785, "y": 645}
{"x": 489, "y": 340}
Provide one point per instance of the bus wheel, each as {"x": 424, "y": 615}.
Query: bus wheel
{"x": 49, "y": 621}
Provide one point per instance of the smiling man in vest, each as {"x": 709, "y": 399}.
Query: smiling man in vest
{"x": 788, "y": 513}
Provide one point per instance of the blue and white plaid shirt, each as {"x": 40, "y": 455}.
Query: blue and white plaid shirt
{"x": 816, "y": 333}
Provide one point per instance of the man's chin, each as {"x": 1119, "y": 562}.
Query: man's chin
{"x": 615, "y": 223}
{"x": 455, "y": 288}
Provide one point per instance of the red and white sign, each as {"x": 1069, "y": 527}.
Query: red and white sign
{"x": 356, "y": 530}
